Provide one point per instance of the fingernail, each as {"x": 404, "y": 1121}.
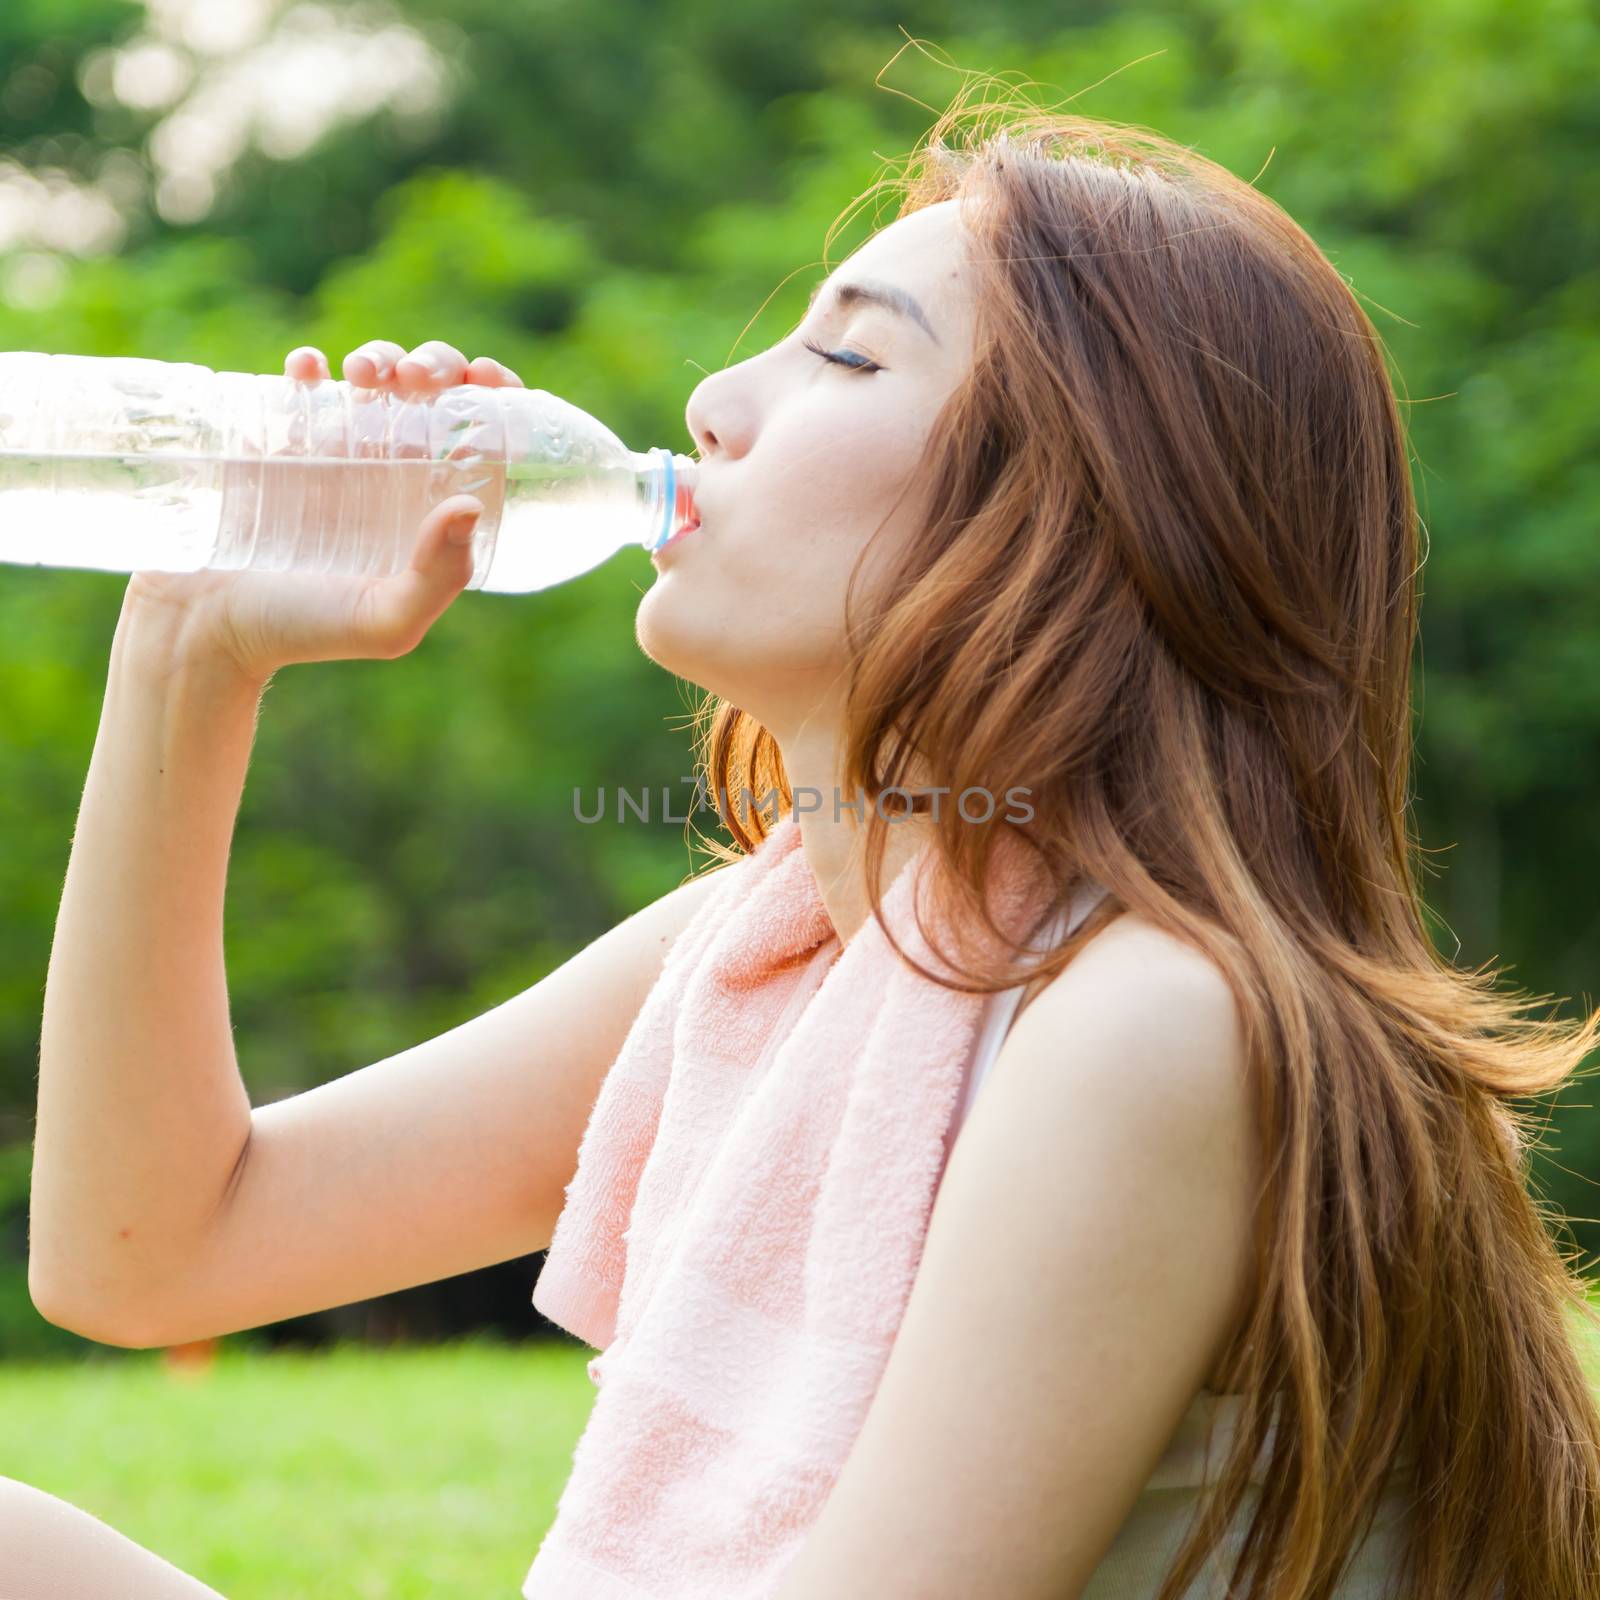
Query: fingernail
{"x": 462, "y": 526}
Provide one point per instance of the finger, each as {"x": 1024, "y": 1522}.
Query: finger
{"x": 494, "y": 373}
{"x": 395, "y": 613}
{"x": 434, "y": 365}
{"x": 306, "y": 363}
{"x": 372, "y": 364}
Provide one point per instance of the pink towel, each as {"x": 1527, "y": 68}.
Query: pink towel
{"x": 748, "y": 1211}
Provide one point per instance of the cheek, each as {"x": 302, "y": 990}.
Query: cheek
{"x": 807, "y": 511}
{"x": 843, "y": 468}
{"x": 758, "y": 609}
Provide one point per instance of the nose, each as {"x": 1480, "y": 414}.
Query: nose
{"x": 719, "y": 422}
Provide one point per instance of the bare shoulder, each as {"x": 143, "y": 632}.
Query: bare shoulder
{"x": 1134, "y": 959}
{"x": 1149, "y": 1020}
{"x": 1138, "y": 1047}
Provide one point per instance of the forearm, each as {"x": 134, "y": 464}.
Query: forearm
{"x": 142, "y": 1113}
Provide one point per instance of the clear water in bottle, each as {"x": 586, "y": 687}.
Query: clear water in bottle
{"x": 116, "y": 514}
{"x": 171, "y": 513}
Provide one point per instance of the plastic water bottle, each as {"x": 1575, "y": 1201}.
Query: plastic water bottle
{"x": 127, "y": 465}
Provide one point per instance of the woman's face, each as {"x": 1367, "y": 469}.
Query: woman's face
{"x": 801, "y": 460}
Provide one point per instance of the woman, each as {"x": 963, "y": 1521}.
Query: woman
{"x": 1082, "y": 483}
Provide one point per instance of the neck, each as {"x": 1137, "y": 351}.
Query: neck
{"x": 834, "y": 837}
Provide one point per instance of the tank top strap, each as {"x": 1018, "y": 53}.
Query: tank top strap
{"x": 1000, "y": 1009}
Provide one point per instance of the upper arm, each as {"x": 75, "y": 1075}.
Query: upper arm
{"x": 449, "y": 1156}
{"x": 1084, "y": 1263}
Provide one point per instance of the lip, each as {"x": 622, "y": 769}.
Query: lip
{"x": 677, "y": 538}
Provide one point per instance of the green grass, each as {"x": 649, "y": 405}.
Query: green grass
{"x": 401, "y": 1474}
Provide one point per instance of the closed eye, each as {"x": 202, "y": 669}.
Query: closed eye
{"x": 860, "y": 363}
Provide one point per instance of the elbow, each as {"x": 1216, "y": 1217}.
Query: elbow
{"x": 62, "y": 1312}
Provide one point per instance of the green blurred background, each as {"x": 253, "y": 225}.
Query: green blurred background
{"x": 617, "y": 197}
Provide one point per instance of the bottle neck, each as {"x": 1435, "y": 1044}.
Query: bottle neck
{"x": 665, "y": 484}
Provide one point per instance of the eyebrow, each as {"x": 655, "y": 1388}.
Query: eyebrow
{"x": 882, "y": 294}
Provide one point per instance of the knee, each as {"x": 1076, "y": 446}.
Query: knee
{"x": 39, "y": 1529}
{"x": 56, "y": 1549}
{"x": 33, "y": 1529}
{"x": 17, "y": 1497}
{"x": 23, "y": 1506}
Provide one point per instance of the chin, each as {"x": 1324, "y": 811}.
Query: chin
{"x": 690, "y": 639}
{"x": 676, "y": 643}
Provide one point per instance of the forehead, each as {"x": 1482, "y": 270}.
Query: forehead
{"x": 924, "y": 253}
{"x": 927, "y": 246}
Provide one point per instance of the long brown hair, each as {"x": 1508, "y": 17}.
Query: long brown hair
{"x": 1171, "y": 585}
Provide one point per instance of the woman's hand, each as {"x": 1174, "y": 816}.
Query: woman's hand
{"x": 382, "y": 364}
{"x": 256, "y": 622}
